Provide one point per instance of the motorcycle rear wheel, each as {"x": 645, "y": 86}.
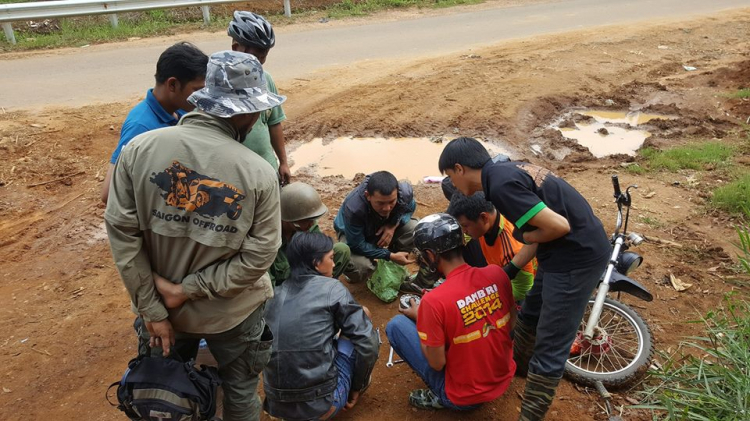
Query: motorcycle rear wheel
{"x": 621, "y": 353}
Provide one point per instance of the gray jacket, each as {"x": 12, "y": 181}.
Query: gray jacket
{"x": 304, "y": 316}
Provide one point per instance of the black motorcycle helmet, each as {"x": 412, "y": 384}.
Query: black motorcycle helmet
{"x": 438, "y": 233}
{"x": 251, "y": 30}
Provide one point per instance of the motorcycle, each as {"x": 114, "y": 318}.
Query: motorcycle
{"x": 614, "y": 345}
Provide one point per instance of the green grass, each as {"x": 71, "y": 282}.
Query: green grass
{"x": 635, "y": 169}
{"x": 653, "y": 222}
{"x": 80, "y": 31}
{"x": 364, "y": 7}
{"x": 733, "y": 197}
{"x": 742, "y": 93}
{"x": 699, "y": 156}
{"x": 75, "y": 34}
{"x": 708, "y": 378}
{"x": 743, "y": 232}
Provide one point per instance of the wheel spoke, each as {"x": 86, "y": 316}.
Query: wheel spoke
{"x": 622, "y": 346}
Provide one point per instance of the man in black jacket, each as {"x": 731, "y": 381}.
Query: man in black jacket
{"x": 314, "y": 371}
{"x": 376, "y": 222}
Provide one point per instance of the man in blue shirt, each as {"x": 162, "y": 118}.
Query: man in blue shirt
{"x": 376, "y": 222}
{"x": 180, "y": 71}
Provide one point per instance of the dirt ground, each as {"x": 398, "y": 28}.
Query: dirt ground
{"x": 64, "y": 314}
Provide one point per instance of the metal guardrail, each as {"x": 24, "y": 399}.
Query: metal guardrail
{"x": 66, "y": 8}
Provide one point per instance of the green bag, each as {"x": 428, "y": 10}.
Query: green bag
{"x": 386, "y": 280}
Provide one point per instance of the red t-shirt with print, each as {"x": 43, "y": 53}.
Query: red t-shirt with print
{"x": 470, "y": 313}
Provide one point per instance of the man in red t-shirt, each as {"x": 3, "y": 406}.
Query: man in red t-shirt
{"x": 460, "y": 344}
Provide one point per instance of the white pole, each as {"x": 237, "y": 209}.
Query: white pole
{"x": 206, "y": 14}
{"x": 8, "y": 28}
{"x": 113, "y": 20}
{"x": 287, "y": 9}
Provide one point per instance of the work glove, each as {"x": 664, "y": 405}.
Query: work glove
{"x": 511, "y": 270}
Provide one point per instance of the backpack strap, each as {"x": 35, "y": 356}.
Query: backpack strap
{"x": 106, "y": 394}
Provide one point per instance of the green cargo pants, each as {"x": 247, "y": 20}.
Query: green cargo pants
{"x": 241, "y": 352}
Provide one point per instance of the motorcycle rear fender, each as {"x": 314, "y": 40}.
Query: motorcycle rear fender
{"x": 621, "y": 283}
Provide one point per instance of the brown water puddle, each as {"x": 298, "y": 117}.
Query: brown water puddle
{"x": 603, "y": 139}
{"x": 406, "y": 158}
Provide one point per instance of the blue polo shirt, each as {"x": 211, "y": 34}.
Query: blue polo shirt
{"x": 146, "y": 116}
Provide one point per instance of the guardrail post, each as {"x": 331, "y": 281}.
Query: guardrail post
{"x": 287, "y": 9}
{"x": 113, "y": 20}
{"x": 9, "y": 35}
{"x": 206, "y": 14}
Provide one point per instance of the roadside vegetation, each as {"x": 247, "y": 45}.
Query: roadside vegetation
{"x": 87, "y": 30}
{"x": 698, "y": 156}
{"x": 717, "y": 157}
{"x": 708, "y": 377}
{"x": 742, "y": 93}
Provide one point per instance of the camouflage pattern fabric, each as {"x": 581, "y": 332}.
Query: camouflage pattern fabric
{"x": 540, "y": 390}
{"x": 235, "y": 84}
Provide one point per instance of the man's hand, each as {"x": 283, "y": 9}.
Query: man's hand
{"x": 285, "y": 175}
{"x": 412, "y": 311}
{"x": 171, "y": 294}
{"x": 401, "y": 258}
{"x": 162, "y": 335}
{"x": 386, "y": 235}
{"x": 353, "y": 397}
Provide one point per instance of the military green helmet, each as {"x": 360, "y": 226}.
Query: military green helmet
{"x": 300, "y": 201}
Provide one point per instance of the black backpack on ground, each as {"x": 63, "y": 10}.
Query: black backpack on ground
{"x": 156, "y": 389}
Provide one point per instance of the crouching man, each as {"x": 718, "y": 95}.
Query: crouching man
{"x": 301, "y": 208}
{"x": 375, "y": 221}
{"x": 315, "y": 372}
{"x": 458, "y": 338}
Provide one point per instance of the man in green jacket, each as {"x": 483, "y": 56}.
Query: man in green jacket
{"x": 193, "y": 223}
{"x": 300, "y": 209}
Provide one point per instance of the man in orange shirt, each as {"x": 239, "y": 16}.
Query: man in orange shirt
{"x": 481, "y": 221}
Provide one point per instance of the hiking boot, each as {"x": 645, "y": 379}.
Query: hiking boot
{"x": 524, "y": 338}
{"x": 424, "y": 399}
{"x": 538, "y": 396}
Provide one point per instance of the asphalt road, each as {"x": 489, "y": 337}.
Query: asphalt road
{"x": 122, "y": 71}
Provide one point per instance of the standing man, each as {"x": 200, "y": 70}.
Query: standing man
{"x": 482, "y": 222}
{"x": 458, "y": 338}
{"x": 194, "y": 206}
{"x": 572, "y": 254}
{"x": 300, "y": 209}
{"x": 180, "y": 71}
{"x": 375, "y": 221}
{"x": 253, "y": 34}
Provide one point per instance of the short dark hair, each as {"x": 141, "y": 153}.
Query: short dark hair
{"x": 448, "y": 188}
{"x": 305, "y": 250}
{"x": 470, "y": 207}
{"x": 183, "y": 61}
{"x": 465, "y": 151}
{"x": 383, "y": 182}
{"x": 453, "y": 254}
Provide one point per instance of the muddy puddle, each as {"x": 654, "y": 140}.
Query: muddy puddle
{"x": 610, "y": 132}
{"x": 407, "y": 158}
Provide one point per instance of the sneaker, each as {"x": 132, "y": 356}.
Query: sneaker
{"x": 424, "y": 399}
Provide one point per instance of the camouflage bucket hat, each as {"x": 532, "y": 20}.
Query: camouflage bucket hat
{"x": 235, "y": 84}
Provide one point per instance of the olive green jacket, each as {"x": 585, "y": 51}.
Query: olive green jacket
{"x": 193, "y": 205}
